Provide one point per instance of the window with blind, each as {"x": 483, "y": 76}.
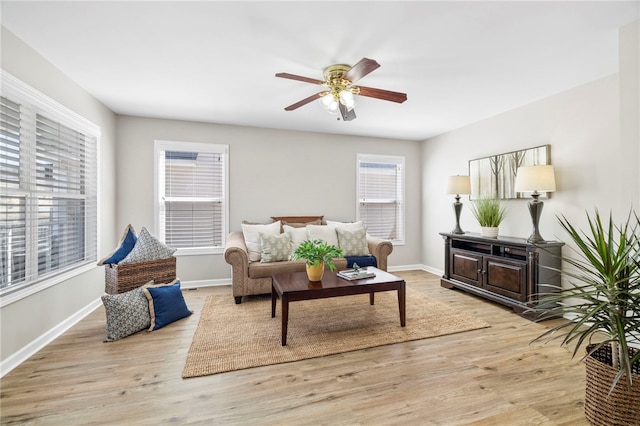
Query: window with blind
{"x": 192, "y": 195}
{"x": 381, "y": 195}
{"x": 48, "y": 188}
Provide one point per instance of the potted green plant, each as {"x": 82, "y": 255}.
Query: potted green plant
{"x": 489, "y": 212}
{"x": 600, "y": 303}
{"x": 317, "y": 254}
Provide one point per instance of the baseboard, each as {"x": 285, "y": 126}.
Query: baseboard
{"x": 17, "y": 358}
{"x": 418, "y": 267}
{"x": 205, "y": 283}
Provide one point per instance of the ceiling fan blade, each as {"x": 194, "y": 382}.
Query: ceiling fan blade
{"x": 359, "y": 70}
{"x": 385, "y": 95}
{"x": 347, "y": 115}
{"x": 299, "y": 78}
{"x": 304, "y": 101}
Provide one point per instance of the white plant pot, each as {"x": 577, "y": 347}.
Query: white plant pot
{"x": 489, "y": 231}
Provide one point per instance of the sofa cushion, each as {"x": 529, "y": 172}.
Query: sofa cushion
{"x": 350, "y": 226}
{"x": 252, "y": 237}
{"x": 296, "y": 235}
{"x": 275, "y": 248}
{"x": 353, "y": 243}
{"x": 265, "y": 270}
{"x": 323, "y": 232}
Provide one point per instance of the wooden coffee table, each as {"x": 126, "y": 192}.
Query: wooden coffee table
{"x": 296, "y": 286}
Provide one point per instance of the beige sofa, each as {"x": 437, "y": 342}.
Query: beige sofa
{"x": 250, "y": 278}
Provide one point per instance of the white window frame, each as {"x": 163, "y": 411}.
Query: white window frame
{"x": 385, "y": 159}
{"x": 20, "y": 92}
{"x": 164, "y": 145}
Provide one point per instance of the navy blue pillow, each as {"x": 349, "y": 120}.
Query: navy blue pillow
{"x": 127, "y": 242}
{"x": 166, "y": 304}
{"x": 362, "y": 261}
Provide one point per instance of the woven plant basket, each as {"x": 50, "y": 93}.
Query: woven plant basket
{"x": 121, "y": 278}
{"x": 622, "y": 406}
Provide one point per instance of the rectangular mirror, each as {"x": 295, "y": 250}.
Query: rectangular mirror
{"x": 495, "y": 176}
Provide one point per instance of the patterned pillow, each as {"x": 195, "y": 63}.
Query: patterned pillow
{"x": 127, "y": 313}
{"x": 148, "y": 248}
{"x": 166, "y": 304}
{"x": 125, "y": 246}
{"x": 353, "y": 243}
{"x": 275, "y": 248}
{"x": 251, "y": 235}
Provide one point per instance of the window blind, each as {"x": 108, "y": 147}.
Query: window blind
{"x": 380, "y": 195}
{"x": 192, "y": 189}
{"x": 48, "y": 188}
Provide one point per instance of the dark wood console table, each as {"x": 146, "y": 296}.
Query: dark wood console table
{"x": 507, "y": 270}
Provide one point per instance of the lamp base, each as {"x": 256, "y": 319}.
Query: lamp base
{"x": 535, "y": 209}
{"x": 457, "y": 207}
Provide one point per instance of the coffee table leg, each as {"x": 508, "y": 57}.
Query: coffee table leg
{"x": 401, "y": 304}
{"x": 371, "y": 298}
{"x": 273, "y": 301}
{"x": 285, "y": 318}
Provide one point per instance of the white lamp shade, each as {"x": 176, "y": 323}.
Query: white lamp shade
{"x": 458, "y": 185}
{"x": 535, "y": 178}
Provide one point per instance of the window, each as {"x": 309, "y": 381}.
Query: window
{"x": 48, "y": 189}
{"x": 192, "y": 196}
{"x": 381, "y": 196}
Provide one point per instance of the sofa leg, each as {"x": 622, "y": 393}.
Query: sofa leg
{"x": 238, "y": 299}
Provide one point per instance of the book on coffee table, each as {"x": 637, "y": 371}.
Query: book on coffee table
{"x": 355, "y": 274}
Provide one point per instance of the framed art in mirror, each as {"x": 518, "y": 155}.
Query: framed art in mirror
{"x": 495, "y": 176}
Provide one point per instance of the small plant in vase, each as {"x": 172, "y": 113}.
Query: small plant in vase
{"x": 317, "y": 254}
{"x": 490, "y": 213}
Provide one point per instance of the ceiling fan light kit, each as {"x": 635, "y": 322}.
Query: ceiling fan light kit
{"x": 339, "y": 96}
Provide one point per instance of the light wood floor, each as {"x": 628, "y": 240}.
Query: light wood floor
{"x": 492, "y": 376}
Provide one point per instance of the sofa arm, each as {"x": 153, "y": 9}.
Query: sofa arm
{"x": 381, "y": 249}
{"x": 237, "y": 255}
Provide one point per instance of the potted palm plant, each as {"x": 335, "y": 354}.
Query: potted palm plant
{"x": 317, "y": 254}
{"x": 600, "y": 303}
{"x": 490, "y": 213}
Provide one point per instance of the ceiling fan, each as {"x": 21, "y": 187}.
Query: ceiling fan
{"x": 339, "y": 81}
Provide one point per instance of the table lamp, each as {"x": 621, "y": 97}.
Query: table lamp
{"x": 535, "y": 179}
{"x": 458, "y": 185}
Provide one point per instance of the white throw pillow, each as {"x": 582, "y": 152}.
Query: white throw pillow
{"x": 349, "y": 226}
{"x": 297, "y": 235}
{"x": 252, "y": 237}
{"x": 323, "y": 232}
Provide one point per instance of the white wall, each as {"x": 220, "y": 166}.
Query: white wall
{"x": 23, "y": 323}
{"x": 629, "y": 50}
{"x": 596, "y": 163}
{"x": 272, "y": 173}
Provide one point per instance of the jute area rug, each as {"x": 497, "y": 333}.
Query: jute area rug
{"x": 234, "y": 337}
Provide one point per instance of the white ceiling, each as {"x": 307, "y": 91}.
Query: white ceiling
{"x": 211, "y": 61}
